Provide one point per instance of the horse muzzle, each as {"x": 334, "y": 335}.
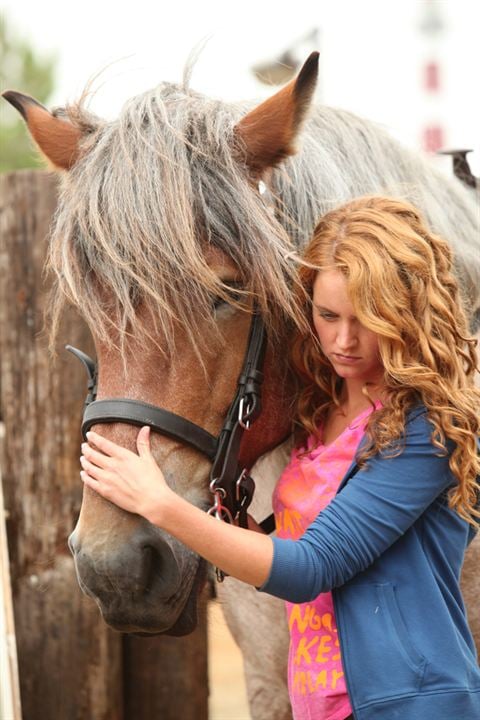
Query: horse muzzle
{"x": 147, "y": 584}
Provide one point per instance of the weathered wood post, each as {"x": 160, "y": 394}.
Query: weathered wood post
{"x": 10, "y": 703}
{"x": 71, "y": 664}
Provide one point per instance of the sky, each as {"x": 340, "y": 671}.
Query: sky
{"x": 371, "y": 52}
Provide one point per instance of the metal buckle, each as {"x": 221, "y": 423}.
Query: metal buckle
{"x": 244, "y": 423}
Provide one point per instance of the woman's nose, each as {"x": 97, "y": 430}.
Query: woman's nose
{"x": 346, "y": 337}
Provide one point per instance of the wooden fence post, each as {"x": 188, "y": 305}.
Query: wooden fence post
{"x": 10, "y": 704}
{"x": 166, "y": 677}
{"x": 71, "y": 664}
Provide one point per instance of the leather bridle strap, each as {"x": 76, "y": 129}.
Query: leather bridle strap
{"x": 230, "y": 485}
{"x": 235, "y": 484}
{"x": 139, "y": 413}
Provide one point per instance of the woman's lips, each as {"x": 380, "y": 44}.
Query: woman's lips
{"x": 348, "y": 359}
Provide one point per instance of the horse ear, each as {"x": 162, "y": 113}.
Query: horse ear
{"x": 57, "y": 139}
{"x": 267, "y": 134}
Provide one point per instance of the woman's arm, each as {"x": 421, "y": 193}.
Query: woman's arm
{"x": 370, "y": 513}
{"x": 136, "y": 483}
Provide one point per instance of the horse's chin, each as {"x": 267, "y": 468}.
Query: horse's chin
{"x": 145, "y": 622}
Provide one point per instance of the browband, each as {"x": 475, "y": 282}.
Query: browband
{"x": 139, "y": 413}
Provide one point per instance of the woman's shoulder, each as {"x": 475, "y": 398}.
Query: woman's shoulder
{"x": 420, "y": 427}
{"x": 412, "y": 460}
{"x": 418, "y": 440}
{"x": 417, "y": 420}
{"x": 416, "y": 424}
{"x": 417, "y": 434}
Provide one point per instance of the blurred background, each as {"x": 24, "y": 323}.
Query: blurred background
{"x": 410, "y": 65}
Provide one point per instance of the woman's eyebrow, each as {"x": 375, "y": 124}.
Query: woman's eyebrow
{"x": 322, "y": 307}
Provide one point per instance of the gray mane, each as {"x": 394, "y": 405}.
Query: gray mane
{"x": 344, "y": 156}
{"x": 157, "y": 186}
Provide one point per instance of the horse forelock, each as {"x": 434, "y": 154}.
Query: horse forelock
{"x": 152, "y": 192}
{"x": 164, "y": 181}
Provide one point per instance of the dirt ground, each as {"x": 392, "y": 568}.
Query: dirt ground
{"x": 228, "y": 700}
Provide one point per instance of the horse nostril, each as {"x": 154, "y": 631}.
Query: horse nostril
{"x": 143, "y": 570}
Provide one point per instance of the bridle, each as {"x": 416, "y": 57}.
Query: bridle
{"x": 231, "y": 486}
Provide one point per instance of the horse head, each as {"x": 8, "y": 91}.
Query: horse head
{"x": 165, "y": 244}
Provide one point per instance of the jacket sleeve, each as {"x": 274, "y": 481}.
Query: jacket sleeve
{"x": 373, "y": 510}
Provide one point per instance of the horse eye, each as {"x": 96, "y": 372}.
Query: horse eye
{"x": 218, "y": 302}
{"x": 235, "y": 296}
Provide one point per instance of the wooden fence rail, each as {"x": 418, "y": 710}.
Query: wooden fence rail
{"x": 71, "y": 665}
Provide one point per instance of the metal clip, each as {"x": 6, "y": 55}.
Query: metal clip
{"x": 218, "y": 509}
{"x": 220, "y": 575}
{"x": 220, "y": 512}
{"x": 238, "y": 485}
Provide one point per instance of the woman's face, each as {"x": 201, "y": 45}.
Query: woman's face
{"x": 351, "y": 348}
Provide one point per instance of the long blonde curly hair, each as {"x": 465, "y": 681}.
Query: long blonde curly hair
{"x": 400, "y": 281}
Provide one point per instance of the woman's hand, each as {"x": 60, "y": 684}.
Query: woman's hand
{"x": 136, "y": 483}
{"x": 133, "y": 482}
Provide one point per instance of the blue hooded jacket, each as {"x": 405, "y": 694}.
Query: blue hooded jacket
{"x": 391, "y": 551}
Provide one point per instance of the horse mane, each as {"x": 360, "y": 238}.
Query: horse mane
{"x": 156, "y": 187}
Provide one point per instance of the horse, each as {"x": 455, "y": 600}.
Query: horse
{"x": 174, "y": 222}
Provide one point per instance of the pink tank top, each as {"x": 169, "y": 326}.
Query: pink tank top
{"x": 315, "y": 674}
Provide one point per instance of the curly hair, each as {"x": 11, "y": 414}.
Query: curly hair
{"x": 401, "y": 285}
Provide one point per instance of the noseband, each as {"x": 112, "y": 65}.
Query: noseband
{"x": 231, "y": 486}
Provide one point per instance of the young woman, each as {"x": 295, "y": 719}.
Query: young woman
{"x": 378, "y": 502}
